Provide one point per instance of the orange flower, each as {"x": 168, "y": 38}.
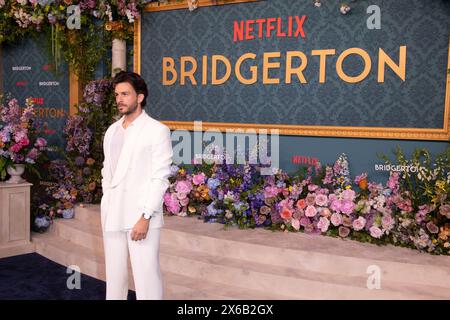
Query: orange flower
{"x": 90, "y": 161}
{"x": 286, "y": 214}
{"x": 92, "y": 186}
{"x": 301, "y": 204}
{"x": 363, "y": 184}
{"x": 68, "y": 205}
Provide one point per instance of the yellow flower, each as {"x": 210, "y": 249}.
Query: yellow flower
{"x": 290, "y": 188}
{"x": 348, "y": 187}
{"x": 108, "y": 26}
{"x": 192, "y": 209}
{"x": 434, "y": 241}
{"x": 61, "y": 7}
{"x": 181, "y": 171}
{"x": 440, "y": 184}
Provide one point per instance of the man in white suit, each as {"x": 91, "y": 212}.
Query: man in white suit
{"x": 138, "y": 155}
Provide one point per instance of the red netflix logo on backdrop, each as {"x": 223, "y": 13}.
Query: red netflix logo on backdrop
{"x": 39, "y": 101}
{"x": 291, "y": 27}
{"x": 311, "y": 161}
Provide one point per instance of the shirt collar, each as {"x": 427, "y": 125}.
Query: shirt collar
{"x": 135, "y": 121}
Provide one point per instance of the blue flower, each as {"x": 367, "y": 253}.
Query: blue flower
{"x": 213, "y": 183}
{"x": 211, "y": 210}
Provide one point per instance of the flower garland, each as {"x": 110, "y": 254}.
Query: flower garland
{"x": 320, "y": 200}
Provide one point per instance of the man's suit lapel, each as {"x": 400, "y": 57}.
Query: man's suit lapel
{"x": 126, "y": 153}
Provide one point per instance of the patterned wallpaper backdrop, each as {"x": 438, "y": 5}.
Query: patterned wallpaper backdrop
{"x": 421, "y": 25}
{"x": 27, "y": 73}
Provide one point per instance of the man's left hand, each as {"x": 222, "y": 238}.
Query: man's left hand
{"x": 140, "y": 229}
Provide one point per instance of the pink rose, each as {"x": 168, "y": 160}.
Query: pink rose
{"x": 181, "y": 196}
{"x": 344, "y": 232}
{"x": 375, "y": 232}
{"x": 336, "y": 219}
{"x": 322, "y": 200}
{"x": 432, "y": 227}
{"x": 387, "y": 222}
{"x": 445, "y": 210}
{"x": 359, "y": 224}
{"x": 310, "y": 211}
{"x": 312, "y": 187}
{"x": 16, "y": 148}
{"x": 295, "y": 224}
{"x": 199, "y": 179}
{"x": 310, "y": 199}
{"x": 325, "y": 212}
{"x": 24, "y": 142}
{"x": 323, "y": 224}
{"x": 335, "y": 205}
{"x": 347, "y": 206}
{"x": 348, "y": 194}
{"x": 40, "y": 142}
{"x": 183, "y": 186}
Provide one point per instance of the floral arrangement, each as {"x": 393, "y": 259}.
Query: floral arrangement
{"x": 77, "y": 175}
{"x": 20, "y": 142}
{"x": 323, "y": 200}
{"x": 82, "y": 46}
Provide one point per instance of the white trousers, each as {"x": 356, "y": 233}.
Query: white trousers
{"x": 144, "y": 257}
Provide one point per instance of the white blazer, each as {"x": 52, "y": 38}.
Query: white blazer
{"x": 141, "y": 177}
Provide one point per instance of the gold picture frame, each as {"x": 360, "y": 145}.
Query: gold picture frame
{"x": 442, "y": 134}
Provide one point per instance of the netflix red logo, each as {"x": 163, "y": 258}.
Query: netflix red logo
{"x": 304, "y": 160}
{"x": 291, "y": 27}
{"x": 21, "y": 83}
{"x": 39, "y": 101}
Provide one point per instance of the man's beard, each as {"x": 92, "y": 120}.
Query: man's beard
{"x": 130, "y": 110}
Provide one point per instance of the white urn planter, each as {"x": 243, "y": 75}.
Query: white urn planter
{"x": 16, "y": 173}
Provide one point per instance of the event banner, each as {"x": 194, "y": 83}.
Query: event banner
{"x": 288, "y": 62}
{"x": 29, "y": 72}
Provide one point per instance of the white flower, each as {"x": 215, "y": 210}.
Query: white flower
{"x": 129, "y": 16}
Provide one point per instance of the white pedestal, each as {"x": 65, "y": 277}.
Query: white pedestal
{"x": 15, "y": 219}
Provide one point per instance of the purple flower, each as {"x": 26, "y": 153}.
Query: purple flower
{"x": 79, "y": 161}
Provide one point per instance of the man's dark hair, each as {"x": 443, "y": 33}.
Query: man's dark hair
{"x": 136, "y": 81}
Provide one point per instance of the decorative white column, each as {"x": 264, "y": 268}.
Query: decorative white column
{"x": 15, "y": 219}
{"x": 119, "y": 56}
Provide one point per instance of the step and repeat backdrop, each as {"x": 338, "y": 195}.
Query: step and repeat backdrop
{"x": 324, "y": 79}
{"x": 28, "y": 72}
